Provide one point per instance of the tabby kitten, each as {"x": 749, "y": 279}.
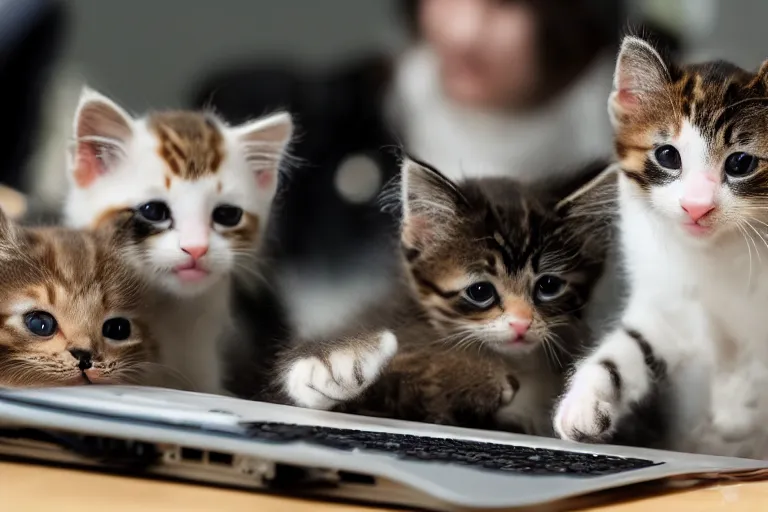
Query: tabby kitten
{"x": 692, "y": 142}
{"x": 203, "y": 191}
{"x": 496, "y": 281}
{"x": 72, "y": 311}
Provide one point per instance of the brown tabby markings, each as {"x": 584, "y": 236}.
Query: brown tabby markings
{"x": 190, "y": 143}
{"x": 246, "y": 234}
{"x": 724, "y": 102}
{"x": 453, "y": 235}
{"x": 75, "y": 276}
{"x": 109, "y": 217}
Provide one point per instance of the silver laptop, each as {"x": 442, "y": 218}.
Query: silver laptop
{"x": 225, "y": 441}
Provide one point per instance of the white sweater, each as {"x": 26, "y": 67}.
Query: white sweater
{"x": 571, "y": 130}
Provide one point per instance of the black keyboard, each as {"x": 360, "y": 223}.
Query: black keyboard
{"x": 489, "y": 456}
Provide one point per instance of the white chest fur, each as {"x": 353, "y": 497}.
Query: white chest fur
{"x": 711, "y": 302}
{"x": 191, "y": 333}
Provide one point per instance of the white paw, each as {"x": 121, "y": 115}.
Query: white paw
{"x": 735, "y": 408}
{"x": 589, "y": 411}
{"x": 317, "y": 384}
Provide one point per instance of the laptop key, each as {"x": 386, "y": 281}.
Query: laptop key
{"x": 487, "y": 456}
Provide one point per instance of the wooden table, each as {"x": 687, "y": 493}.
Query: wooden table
{"x": 38, "y": 488}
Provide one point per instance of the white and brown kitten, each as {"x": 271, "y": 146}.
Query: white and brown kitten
{"x": 203, "y": 191}
{"x": 692, "y": 345}
{"x": 72, "y": 310}
{"x": 497, "y": 280}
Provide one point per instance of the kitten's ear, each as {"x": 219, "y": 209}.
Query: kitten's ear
{"x": 640, "y": 72}
{"x": 762, "y": 74}
{"x": 7, "y": 227}
{"x": 593, "y": 208}
{"x": 102, "y": 131}
{"x": 266, "y": 142}
{"x": 432, "y": 204}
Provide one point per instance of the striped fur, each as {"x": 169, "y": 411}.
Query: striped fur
{"x": 457, "y": 361}
{"x": 82, "y": 280}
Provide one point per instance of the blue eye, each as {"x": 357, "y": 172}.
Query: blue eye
{"x": 668, "y": 157}
{"x": 155, "y": 211}
{"x": 740, "y": 164}
{"x": 41, "y": 323}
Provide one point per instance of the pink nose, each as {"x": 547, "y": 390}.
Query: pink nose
{"x": 196, "y": 252}
{"x": 520, "y": 326}
{"x": 696, "y": 210}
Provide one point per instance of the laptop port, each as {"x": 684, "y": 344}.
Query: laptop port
{"x": 223, "y": 459}
{"x": 356, "y": 478}
{"x": 191, "y": 455}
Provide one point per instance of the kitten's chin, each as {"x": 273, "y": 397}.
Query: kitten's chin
{"x": 183, "y": 285}
{"x": 513, "y": 348}
{"x": 706, "y": 235}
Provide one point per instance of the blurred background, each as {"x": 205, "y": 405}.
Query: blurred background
{"x": 477, "y": 87}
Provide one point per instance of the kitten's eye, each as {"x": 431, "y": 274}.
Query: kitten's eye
{"x": 482, "y": 294}
{"x": 41, "y": 323}
{"x": 228, "y": 216}
{"x": 738, "y": 165}
{"x": 668, "y": 157}
{"x": 117, "y": 329}
{"x": 549, "y": 287}
{"x": 155, "y": 211}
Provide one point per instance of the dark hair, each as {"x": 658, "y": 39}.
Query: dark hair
{"x": 571, "y": 33}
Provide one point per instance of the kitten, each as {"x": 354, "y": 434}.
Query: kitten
{"x": 496, "y": 281}
{"x": 72, "y": 310}
{"x": 203, "y": 191}
{"x": 692, "y": 142}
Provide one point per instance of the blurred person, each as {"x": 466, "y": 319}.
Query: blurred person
{"x": 516, "y": 87}
{"x": 485, "y": 87}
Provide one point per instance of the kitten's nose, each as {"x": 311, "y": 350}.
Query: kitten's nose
{"x": 520, "y": 325}
{"x": 84, "y": 356}
{"x": 196, "y": 252}
{"x": 696, "y": 210}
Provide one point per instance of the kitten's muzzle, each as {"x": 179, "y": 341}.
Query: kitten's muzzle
{"x": 193, "y": 270}
{"x": 84, "y": 358}
{"x": 520, "y": 326}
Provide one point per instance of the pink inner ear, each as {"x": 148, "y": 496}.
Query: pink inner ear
{"x": 627, "y": 98}
{"x": 265, "y": 179}
{"x": 417, "y": 229}
{"x": 88, "y": 165}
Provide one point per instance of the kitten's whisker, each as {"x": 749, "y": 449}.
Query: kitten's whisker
{"x": 750, "y": 226}
{"x": 758, "y": 220}
{"x": 749, "y": 252}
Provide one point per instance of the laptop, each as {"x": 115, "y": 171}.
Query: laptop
{"x": 225, "y": 441}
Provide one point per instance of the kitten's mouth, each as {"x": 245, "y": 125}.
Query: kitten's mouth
{"x": 190, "y": 272}
{"x": 517, "y": 343}
{"x": 696, "y": 229}
{"x": 80, "y": 380}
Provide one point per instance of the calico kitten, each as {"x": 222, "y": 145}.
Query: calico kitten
{"x": 203, "y": 191}
{"x": 72, "y": 310}
{"x": 496, "y": 281}
{"x": 692, "y": 142}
